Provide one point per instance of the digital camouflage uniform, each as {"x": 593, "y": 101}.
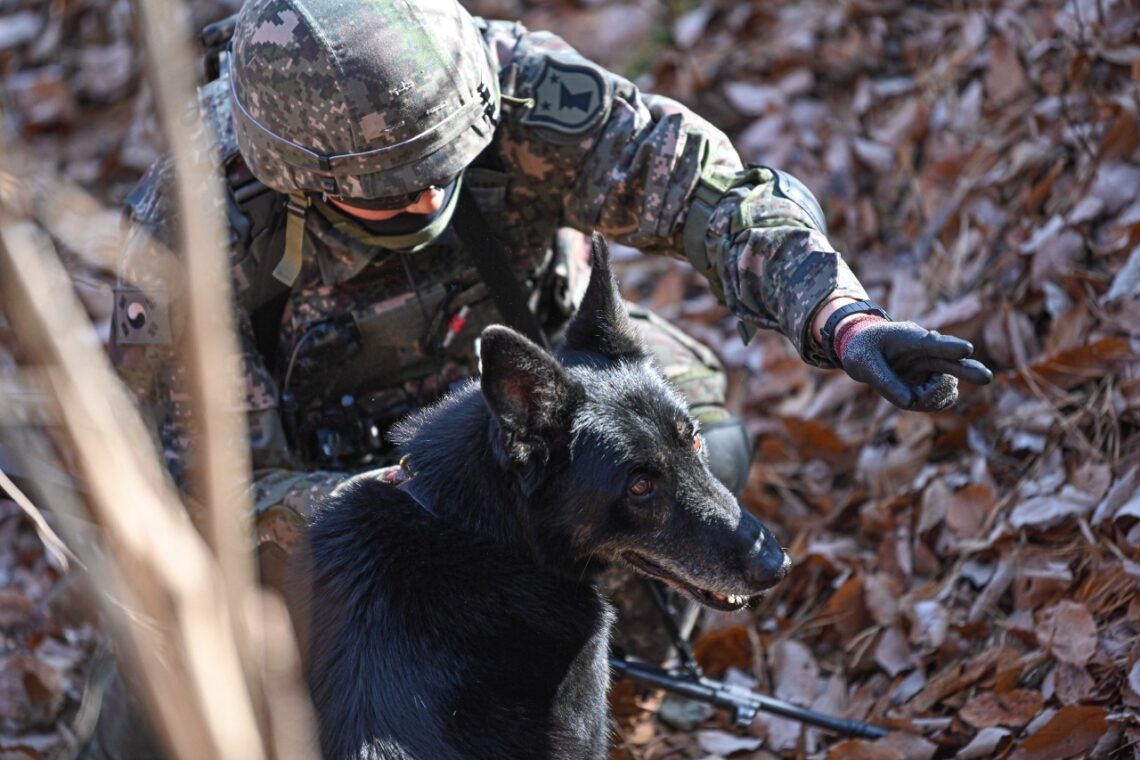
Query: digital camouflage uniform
{"x": 369, "y": 333}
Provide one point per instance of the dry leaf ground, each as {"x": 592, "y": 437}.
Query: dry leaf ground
{"x": 968, "y": 579}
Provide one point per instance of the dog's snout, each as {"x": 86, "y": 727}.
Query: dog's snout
{"x": 770, "y": 563}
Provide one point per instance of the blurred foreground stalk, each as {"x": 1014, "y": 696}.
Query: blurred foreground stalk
{"x": 214, "y": 653}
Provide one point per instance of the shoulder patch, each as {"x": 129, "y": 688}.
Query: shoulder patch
{"x": 141, "y": 318}
{"x": 568, "y": 97}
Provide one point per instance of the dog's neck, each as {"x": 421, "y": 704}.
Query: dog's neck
{"x": 454, "y": 455}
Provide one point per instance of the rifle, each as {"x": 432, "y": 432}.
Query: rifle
{"x": 743, "y": 704}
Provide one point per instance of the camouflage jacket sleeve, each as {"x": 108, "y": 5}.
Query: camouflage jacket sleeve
{"x": 638, "y": 167}
{"x": 147, "y": 329}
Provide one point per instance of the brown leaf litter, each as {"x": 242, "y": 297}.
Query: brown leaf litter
{"x": 966, "y": 579}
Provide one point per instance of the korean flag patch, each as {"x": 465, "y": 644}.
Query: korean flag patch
{"x": 141, "y": 318}
{"x": 568, "y": 97}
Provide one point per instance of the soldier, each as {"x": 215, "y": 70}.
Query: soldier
{"x": 386, "y": 163}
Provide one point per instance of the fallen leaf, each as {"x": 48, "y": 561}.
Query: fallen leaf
{"x": 881, "y": 595}
{"x": 753, "y": 99}
{"x": 933, "y": 505}
{"x": 43, "y": 98}
{"x": 1068, "y": 630}
{"x": 1011, "y": 708}
{"x": 815, "y": 440}
{"x": 19, "y": 28}
{"x": 945, "y": 315}
{"x": 875, "y": 156}
{"x": 794, "y": 672}
{"x": 861, "y": 749}
{"x": 689, "y": 27}
{"x": 1005, "y": 77}
{"x": 1040, "y": 581}
{"x": 1071, "y": 684}
{"x": 718, "y": 650}
{"x": 953, "y": 678}
{"x": 989, "y": 742}
{"x": 1126, "y": 283}
{"x": 846, "y": 609}
{"x": 724, "y": 744}
{"x": 969, "y": 508}
{"x": 893, "y": 654}
{"x": 832, "y": 700}
{"x": 1124, "y": 491}
{"x": 1067, "y": 734}
{"x": 910, "y": 746}
{"x": 1115, "y": 185}
{"x": 31, "y": 694}
{"x": 17, "y": 611}
{"x": 1041, "y": 512}
{"x": 930, "y": 622}
{"x": 1080, "y": 365}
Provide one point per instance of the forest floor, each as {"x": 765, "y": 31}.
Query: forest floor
{"x": 967, "y": 579}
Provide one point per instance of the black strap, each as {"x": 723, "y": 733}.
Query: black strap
{"x": 490, "y": 257}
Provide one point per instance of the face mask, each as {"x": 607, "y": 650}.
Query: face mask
{"x": 404, "y": 232}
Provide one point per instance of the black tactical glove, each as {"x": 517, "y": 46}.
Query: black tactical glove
{"x": 910, "y": 366}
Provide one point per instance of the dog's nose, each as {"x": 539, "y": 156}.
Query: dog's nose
{"x": 771, "y": 563}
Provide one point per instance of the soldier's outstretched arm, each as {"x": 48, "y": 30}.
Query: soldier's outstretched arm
{"x": 760, "y": 235}
{"x": 650, "y": 173}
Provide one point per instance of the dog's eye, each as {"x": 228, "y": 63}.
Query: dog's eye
{"x": 641, "y": 487}
{"x": 698, "y": 442}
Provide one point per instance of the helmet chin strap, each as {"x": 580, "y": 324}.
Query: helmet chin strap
{"x": 400, "y": 238}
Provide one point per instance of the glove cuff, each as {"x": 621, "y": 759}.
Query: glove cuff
{"x": 828, "y": 338}
{"x": 849, "y": 329}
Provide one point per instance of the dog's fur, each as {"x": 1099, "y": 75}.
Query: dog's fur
{"x": 461, "y": 621}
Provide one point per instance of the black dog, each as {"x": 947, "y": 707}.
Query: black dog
{"x": 454, "y": 616}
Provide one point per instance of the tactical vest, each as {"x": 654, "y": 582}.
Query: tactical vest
{"x": 376, "y": 363}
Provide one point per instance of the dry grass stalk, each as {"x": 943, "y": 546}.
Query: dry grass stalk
{"x": 54, "y": 545}
{"x": 170, "y": 607}
{"x": 212, "y": 360}
{"x": 216, "y": 656}
{"x": 211, "y": 347}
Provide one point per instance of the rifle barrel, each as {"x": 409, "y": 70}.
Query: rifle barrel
{"x": 722, "y": 695}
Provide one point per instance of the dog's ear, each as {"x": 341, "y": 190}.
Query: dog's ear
{"x": 602, "y": 324}
{"x": 529, "y": 393}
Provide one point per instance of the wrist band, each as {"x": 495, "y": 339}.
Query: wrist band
{"x": 827, "y": 334}
{"x": 849, "y": 329}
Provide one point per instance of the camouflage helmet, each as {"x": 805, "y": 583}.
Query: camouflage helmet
{"x": 360, "y": 98}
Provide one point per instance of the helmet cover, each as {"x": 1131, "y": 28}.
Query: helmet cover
{"x": 360, "y": 98}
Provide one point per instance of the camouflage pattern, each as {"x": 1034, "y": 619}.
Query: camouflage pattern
{"x": 361, "y": 99}
{"x": 369, "y": 333}
{"x": 776, "y": 269}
